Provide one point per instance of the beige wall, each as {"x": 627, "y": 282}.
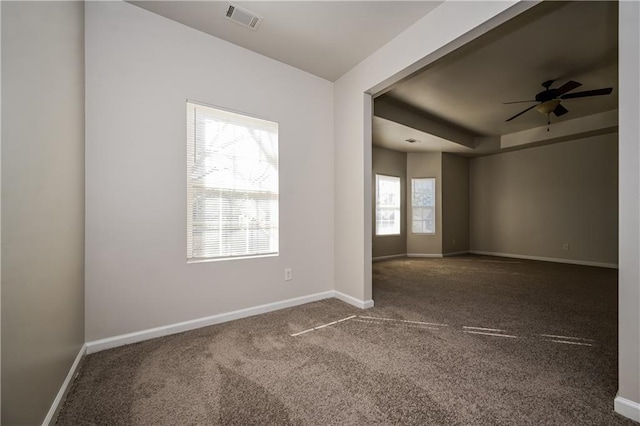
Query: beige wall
{"x": 140, "y": 70}
{"x": 531, "y": 202}
{"x": 455, "y": 204}
{"x": 425, "y": 165}
{"x": 390, "y": 163}
{"x": 42, "y": 203}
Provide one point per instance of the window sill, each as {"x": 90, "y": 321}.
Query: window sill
{"x": 221, "y": 259}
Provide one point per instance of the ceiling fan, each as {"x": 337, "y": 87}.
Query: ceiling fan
{"x": 548, "y": 101}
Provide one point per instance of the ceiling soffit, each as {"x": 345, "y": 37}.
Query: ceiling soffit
{"x": 552, "y": 41}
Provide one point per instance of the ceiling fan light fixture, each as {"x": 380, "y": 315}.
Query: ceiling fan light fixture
{"x": 547, "y": 107}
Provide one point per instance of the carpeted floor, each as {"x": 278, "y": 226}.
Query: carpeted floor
{"x": 469, "y": 340}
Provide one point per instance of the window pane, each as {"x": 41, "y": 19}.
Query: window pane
{"x": 387, "y": 205}
{"x": 423, "y": 205}
{"x": 232, "y": 184}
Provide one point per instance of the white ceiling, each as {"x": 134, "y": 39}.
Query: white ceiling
{"x": 554, "y": 40}
{"x": 324, "y": 38}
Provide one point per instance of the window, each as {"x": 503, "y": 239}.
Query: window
{"x": 423, "y": 205}
{"x": 387, "y": 205}
{"x": 232, "y": 185}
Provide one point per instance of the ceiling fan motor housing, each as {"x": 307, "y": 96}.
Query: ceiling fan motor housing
{"x": 547, "y": 95}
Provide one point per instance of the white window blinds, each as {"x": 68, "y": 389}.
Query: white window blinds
{"x": 423, "y": 205}
{"x": 387, "y": 205}
{"x": 232, "y": 184}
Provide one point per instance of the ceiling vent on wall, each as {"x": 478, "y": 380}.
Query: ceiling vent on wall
{"x": 243, "y": 17}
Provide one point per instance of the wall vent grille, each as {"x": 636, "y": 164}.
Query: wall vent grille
{"x": 243, "y": 17}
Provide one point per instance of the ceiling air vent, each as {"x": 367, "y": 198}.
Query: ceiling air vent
{"x": 411, "y": 140}
{"x": 243, "y": 17}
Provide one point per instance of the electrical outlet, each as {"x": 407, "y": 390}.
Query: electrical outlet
{"x": 288, "y": 274}
{"x": 565, "y": 246}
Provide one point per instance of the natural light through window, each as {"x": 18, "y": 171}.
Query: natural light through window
{"x": 423, "y": 205}
{"x": 232, "y": 185}
{"x": 387, "y": 205}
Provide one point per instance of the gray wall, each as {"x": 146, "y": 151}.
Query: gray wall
{"x": 140, "y": 69}
{"x": 42, "y": 203}
{"x": 629, "y": 274}
{"x": 452, "y": 202}
{"x": 425, "y": 165}
{"x": 390, "y": 163}
{"x": 455, "y": 204}
{"x": 0, "y": 211}
{"x": 531, "y": 202}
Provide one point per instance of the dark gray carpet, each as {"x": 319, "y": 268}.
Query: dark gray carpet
{"x": 416, "y": 358}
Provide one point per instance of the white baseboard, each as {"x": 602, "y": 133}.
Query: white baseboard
{"x": 456, "y": 253}
{"x": 547, "y": 259}
{"x": 152, "y": 333}
{"x": 362, "y": 304}
{"x": 393, "y": 256}
{"x": 53, "y": 411}
{"x": 423, "y": 255}
{"x": 626, "y": 407}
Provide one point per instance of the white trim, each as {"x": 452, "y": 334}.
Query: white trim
{"x": 423, "y": 255}
{"x": 392, "y": 256}
{"x": 152, "y": 333}
{"x": 626, "y": 407}
{"x": 456, "y": 253}
{"x": 548, "y": 259}
{"x": 65, "y": 387}
{"x": 362, "y": 304}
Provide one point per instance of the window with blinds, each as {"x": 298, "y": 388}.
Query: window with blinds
{"x": 232, "y": 185}
{"x": 423, "y": 205}
{"x": 387, "y": 205}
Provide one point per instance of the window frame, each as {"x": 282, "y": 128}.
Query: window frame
{"x": 434, "y": 207}
{"x": 399, "y": 207}
{"x": 191, "y": 148}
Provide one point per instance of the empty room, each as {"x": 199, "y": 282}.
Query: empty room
{"x": 307, "y": 212}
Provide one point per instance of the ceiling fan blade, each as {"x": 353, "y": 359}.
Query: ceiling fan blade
{"x": 597, "y": 92}
{"x": 518, "y": 102}
{"x": 560, "y": 110}
{"x": 567, "y": 87}
{"x": 520, "y": 113}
